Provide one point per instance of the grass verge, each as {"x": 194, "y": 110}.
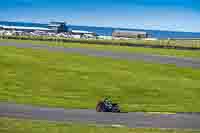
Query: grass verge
{"x": 28, "y": 126}
{"x": 183, "y": 43}
{"x": 44, "y": 78}
{"x": 155, "y": 51}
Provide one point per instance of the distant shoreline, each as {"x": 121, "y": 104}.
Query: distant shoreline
{"x": 125, "y": 28}
{"x": 107, "y": 31}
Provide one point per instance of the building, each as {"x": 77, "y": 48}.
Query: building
{"x": 1, "y": 27}
{"x": 80, "y": 32}
{"x": 55, "y": 27}
{"x": 58, "y": 27}
{"x": 27, "y": 29}
{"x": 129, "y": 34}
{"x": 52, "y": 29}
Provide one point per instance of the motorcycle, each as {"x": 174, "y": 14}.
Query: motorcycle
{"x": 107, "y": 106}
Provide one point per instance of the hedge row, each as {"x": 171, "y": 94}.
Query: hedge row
{"x": 178, "y": 44}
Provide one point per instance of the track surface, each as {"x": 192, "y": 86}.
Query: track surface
{"x": 132, "y": 120}
{"x": 181, "y": 62}
{"x": 188, "y": 121}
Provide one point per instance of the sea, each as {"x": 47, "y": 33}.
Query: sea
{"x": 107, "y": 31}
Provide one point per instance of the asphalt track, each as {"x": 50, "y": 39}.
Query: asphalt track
{"x": 132, "y": 120}
{"x": 180, "y": 62}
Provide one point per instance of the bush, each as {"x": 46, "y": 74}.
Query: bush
{"x": 182, "y": 44}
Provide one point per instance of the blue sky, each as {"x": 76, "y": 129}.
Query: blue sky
{"x": 181, "y": 15}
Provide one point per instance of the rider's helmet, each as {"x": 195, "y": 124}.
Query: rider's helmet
{"x": 107, "y": 100}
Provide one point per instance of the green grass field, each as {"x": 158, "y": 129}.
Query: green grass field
{"x": 55, "y": 79}
{"x": 156, "y": 51}
{"x": 27, "y": 126}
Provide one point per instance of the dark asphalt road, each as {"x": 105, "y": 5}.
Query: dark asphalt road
{"x": 132, "y": 120}
{"x": 181, "y": 62}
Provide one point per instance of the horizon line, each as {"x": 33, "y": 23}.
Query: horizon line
{"x": 113, "y": 27}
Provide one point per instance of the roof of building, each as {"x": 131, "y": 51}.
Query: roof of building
{"x": 130, "y": 32}
{"x": 58, "y": 22}
{"x": 53, "y": 25}
{"x": 82, "y": 32}
{"x": 25, "y": 28}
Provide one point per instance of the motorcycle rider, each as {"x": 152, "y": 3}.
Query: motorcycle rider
{"x": 108, "y": 103}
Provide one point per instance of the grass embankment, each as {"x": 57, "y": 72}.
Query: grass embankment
{"x": 181, "y": 44}
{"x": 157, "y": 51}
{"x": 28, "y": 126}
{"x": 55, "y": 79}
